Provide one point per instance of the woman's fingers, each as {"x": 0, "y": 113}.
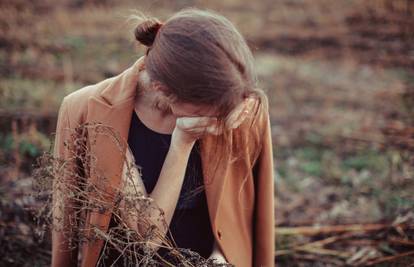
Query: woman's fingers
{"x": 236, "y": 116}
{"x": 213, "y": 129}
{"x": 239, "y": 114}
{"x": 187, "y": 123}
{"x": 201, "y": 125}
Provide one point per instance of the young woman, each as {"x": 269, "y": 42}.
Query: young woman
{"x": 193, "y": 118}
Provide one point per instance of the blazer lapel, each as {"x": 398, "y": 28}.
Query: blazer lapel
{"x": 108, "y": 139}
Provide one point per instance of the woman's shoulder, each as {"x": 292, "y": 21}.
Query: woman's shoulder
{"x": 82, "y": 94}
{"x": 76, "y": 102}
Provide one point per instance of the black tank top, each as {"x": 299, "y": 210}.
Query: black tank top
{"x": 190, "y": 225}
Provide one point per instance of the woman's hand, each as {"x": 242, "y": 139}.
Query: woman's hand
{"x": 218, "y": 258}
{"x": 189, "y": 129}
{"x": 217, "y": 255}
{"x": 239, "y": 113}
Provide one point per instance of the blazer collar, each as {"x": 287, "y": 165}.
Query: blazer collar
{"x": 123, "y": 86}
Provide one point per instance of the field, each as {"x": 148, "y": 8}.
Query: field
{"x": 340, "y": 80}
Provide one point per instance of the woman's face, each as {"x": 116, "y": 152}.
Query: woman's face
{"x": 178, "y": 108}
{"x": 181, "y": 109}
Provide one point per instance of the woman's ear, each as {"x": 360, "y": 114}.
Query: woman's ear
{"x": 165, "y": 93}
{"x": 164, "y": 99}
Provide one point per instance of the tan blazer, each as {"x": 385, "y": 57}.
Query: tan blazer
{"x": 243, "y": 225}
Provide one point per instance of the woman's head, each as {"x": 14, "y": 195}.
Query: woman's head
{"x": 198, "y": 57}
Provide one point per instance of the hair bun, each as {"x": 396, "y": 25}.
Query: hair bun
{"x": 146, "y": 31}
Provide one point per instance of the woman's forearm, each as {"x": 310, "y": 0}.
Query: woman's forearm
{"x": 167, "y": 190}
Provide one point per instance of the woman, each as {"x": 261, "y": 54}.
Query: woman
{"x": 186, "y": 113}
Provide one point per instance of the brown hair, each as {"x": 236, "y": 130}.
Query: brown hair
{"x": 201, "y": 58}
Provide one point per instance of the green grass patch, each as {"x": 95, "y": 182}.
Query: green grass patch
{"x": 19, "y": 94}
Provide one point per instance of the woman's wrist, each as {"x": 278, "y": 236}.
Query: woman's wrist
{"x": 180, "y": 142}
{"x": 181, "y": 147}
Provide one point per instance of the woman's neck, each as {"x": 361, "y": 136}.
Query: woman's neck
{"x": 151, "y": 107}
{"x": 150, "y": 98}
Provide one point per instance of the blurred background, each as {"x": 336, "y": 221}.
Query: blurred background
{"x": 340, "y": 80}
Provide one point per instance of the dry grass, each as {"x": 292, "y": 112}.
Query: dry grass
{"x": 64, "y": 188}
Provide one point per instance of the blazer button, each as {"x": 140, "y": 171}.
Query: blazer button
{"x": 219, "y": 234}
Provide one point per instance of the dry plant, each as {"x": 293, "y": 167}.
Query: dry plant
{"x": 352, "y": 245}
{"x": 68, "y": 193}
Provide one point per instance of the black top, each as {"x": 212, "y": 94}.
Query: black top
{"x": 190, "y": 225}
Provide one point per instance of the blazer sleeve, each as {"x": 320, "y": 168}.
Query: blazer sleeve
{"x": 264, "y": 219}
{"x": 64, "y": 249}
